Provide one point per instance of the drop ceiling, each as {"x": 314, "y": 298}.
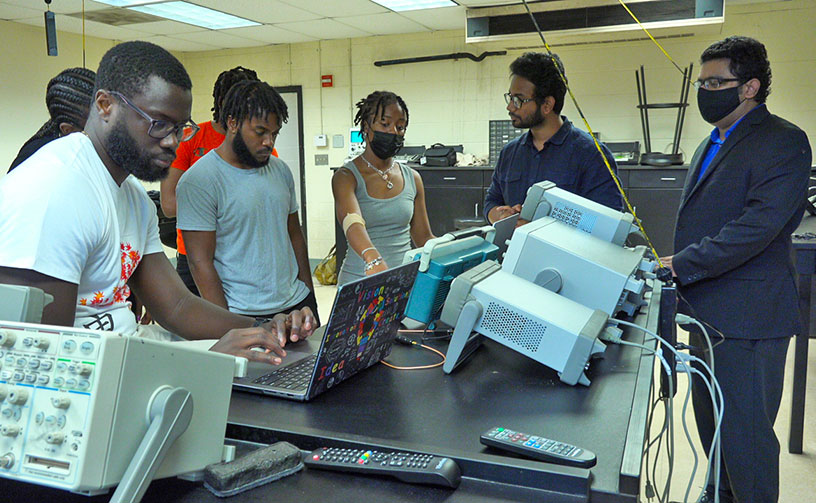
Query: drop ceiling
{"x": 282, "y": 21}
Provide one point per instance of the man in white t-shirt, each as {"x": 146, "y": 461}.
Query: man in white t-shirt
{"x": 74, "y": 223}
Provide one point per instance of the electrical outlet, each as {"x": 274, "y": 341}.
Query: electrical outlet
{"x": 321, "y": 159}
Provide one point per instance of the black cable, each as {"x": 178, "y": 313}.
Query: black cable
{"x": 698, "y": 318}
{"x": 435, "y": 317}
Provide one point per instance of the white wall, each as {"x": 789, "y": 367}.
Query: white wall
{"x": 24, "y": 73}
{"x": 450, "y": 101}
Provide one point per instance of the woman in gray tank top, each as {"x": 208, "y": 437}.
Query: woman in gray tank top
{"x": 379, "y": 202}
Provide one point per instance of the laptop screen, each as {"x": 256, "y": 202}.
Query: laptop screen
{"x": 364, "y": 321}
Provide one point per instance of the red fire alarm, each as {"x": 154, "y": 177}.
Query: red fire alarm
{"x": 326, "y": 80}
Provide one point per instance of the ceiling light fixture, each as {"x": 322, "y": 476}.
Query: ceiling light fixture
{"x": 196, "y": 15}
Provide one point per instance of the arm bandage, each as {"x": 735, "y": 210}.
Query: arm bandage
{"x": 351, "y": 219}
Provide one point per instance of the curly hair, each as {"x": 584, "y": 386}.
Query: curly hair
{"x": 747, "y": 58}
{"x": 540, "y": 69}
{"x": 127, "y": 67}
{"x": 68, "y": 98}
{"x": 374, "y": 105}
{"x": 224, "y": 83}
{"x": 252, "y": 98}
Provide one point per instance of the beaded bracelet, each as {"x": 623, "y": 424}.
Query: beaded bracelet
{"x": 370, "y": 265}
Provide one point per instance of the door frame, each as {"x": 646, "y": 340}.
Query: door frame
{"x": 298, "y": 90}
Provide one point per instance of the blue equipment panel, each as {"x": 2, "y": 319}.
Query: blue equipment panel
{"x": 432, "y": 286}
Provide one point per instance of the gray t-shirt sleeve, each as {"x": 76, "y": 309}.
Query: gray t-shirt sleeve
{"x": 290, "y": 184}
{"x": 197, "y": 208}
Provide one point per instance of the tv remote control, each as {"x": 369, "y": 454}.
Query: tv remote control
{"x": 406, "y": 466}
{"x": 543, "y": 449}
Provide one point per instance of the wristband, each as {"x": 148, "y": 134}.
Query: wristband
{"x": 351, "y": 219}
{"x": 364, "y": 251}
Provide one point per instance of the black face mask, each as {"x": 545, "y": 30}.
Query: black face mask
{"x": 715, "y": 105}
{"x": 385, "y": 145}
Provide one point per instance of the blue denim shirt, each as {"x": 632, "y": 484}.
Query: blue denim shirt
{"x": 569, "y": 159}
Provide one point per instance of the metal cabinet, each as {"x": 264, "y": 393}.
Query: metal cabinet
{"x": 453, "y": 193}
{"x": 655, "y": 195}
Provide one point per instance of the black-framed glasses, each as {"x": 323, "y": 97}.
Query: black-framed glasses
{"x": 160, "y": 129}
{"x": 711, "y": 83}
{"x": 518, "y": 101}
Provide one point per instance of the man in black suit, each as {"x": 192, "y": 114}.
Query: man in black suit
{"x": 742, "y": 200}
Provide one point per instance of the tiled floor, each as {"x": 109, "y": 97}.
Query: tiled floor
{"x": 797, "y": 471}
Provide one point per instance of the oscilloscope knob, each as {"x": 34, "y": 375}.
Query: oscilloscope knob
{"x": 7, "y": 460}
{"x": 7, "y": 339}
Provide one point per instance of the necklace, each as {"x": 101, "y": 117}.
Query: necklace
{"x": 383, "y": 173}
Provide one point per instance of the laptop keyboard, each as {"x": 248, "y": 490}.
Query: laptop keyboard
{"x": 292, "y": 377}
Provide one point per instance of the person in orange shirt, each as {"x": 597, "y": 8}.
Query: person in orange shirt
{"x": 210, "y": 135}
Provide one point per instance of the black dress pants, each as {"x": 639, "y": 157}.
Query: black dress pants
{"x": 751, "y": 373}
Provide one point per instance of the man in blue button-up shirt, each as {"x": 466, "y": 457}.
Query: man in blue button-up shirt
{"x": 552, "y": 149}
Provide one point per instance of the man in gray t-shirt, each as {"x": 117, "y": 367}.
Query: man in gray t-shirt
{"x": 238, "y": 213}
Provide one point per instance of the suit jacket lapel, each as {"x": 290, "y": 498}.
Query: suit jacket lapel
{"x": 742, "y": 131}
{"x": 694, "y": 172}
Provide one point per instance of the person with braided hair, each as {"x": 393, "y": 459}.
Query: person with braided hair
{"x": 210, "y": 135}
{"x": 379, "y": 202}
{"x": 238, "y": 212}
{"x": 68, "y": 98}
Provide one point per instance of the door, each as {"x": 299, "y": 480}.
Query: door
{"x": 290, "y": 145}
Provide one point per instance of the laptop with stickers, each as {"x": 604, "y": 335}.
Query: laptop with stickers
{"x": 361, "y": 329}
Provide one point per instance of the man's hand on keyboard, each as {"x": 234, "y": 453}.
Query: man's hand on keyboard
{"x": 240, "y": 341}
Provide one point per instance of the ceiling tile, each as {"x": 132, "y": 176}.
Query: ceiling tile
{"x": 446, "y": 18}
{"x": 383, "y": 24}
{"x": 217, "y": 38}
{"x": 324, "y": 29}
{"x": 285, "y": 21}
{"x": 339, "y": 9}
{"x": 267, "y": 11}
{"x": 268, "y": 34}
{"x": 485, "y": 3}
{"x": 176, "y": 44}
{"x": 92, "y": 29}
{"x": 58, "y": 7}
{"x": 166, "y": 28}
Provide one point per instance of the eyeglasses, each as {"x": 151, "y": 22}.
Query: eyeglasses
{"x": 711, "y": 83}
{"x": 160, "y": 129}
{"x": 518, "y": 101}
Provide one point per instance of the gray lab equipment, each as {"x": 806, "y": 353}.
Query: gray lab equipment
{"x": 522, "y": 316}
{"x": 22, "y": 303}
{"x": 578, "y": 266}
{"x": 546, "y": 199}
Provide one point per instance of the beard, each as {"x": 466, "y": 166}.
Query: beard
{"x": 530, "y": 122}
{"x": 245, "y": 157}
{"x": 123, "y": 150}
